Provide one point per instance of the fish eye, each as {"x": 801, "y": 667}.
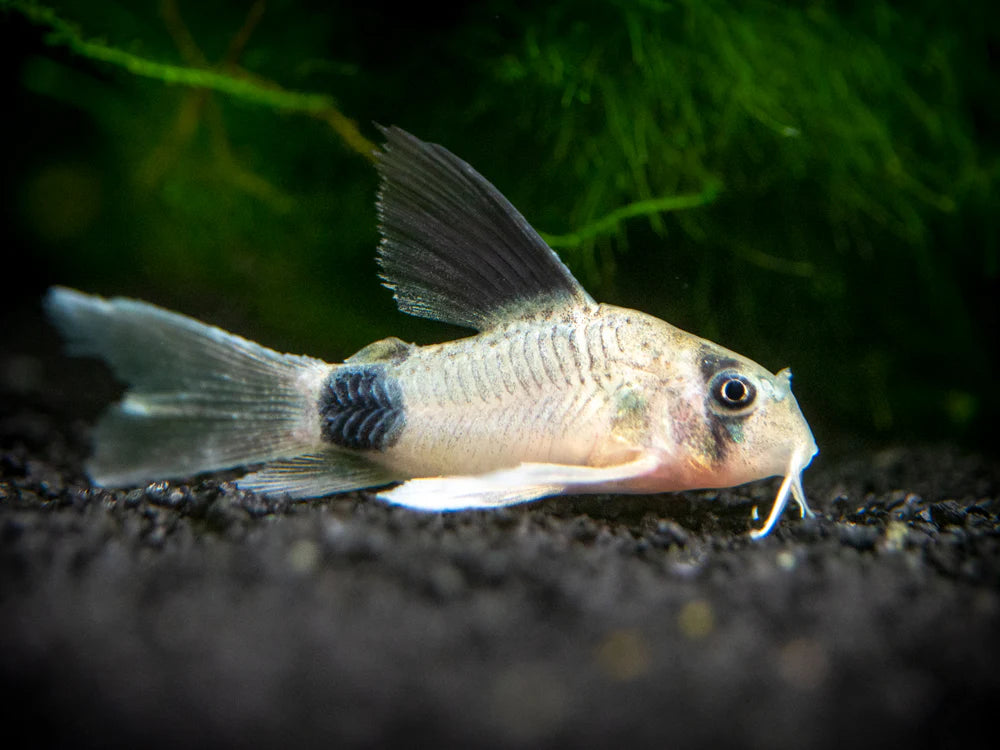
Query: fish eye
{"x": 732, "y": 390}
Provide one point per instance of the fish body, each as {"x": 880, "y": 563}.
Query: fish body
{"x": 555, "y": 394}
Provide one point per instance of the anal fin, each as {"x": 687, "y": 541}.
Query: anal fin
{"x": 316, "y": 475}
{"x": 519, "y": 484}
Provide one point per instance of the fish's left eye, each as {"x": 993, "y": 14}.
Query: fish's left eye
{"x": 732, "y": 390}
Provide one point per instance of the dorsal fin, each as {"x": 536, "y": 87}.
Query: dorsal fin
{"x": 454, "y": 249}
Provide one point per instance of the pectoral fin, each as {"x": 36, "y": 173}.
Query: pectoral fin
{"x": 520, "y": 484}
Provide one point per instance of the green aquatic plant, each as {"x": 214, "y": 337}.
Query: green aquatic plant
{"x": 639, "y": 98}
{"x": 197, "y": 74}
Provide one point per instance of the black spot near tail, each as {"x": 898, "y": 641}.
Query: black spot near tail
{"x": 361, "y": 408}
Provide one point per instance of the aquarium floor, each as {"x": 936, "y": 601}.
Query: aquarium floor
{"x": 197, "y": 615}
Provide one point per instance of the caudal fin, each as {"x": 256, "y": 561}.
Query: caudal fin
{"x": 199, "y": 399}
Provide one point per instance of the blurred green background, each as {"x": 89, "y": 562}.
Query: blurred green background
{"x": 835, "y": 165}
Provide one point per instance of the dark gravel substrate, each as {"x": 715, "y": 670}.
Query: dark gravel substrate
{"x": 198, "y": 615}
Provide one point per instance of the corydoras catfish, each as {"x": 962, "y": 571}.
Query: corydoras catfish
{"x": 555, "y": 394}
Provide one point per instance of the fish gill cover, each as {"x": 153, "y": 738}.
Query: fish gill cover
{"x": 813, "y": 184}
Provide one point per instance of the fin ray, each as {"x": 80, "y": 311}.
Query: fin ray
{"x": 199, "y": 398}
{"x": 316, "y": 475}
{"x": 453, "y": 248}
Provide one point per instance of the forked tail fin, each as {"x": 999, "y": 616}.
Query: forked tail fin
{"x": 199, "y": 399}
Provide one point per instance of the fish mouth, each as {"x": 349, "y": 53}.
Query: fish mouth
{"x": 790, "y": 486}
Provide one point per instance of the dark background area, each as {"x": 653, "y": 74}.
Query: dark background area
{"x": 840, "y": 161}
{"x": 846, "y": 156}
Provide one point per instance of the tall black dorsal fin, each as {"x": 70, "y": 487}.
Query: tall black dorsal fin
{"x": 453, "y": 248}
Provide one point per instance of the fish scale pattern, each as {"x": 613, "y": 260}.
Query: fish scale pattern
{"x": 361, "y": 408}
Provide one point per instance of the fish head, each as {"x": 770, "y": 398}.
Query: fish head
{"x": 737, "y": 422}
